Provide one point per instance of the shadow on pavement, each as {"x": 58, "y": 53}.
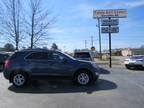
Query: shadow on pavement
{"x": 104, "y": 71}
{"x": 64, "y": 87}
{"x": 138, "y": 69}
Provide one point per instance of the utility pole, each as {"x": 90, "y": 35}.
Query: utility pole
{"x": 91, "y": 41}
{"x": 85, "y": 44}
{"x": 99, "y": 38}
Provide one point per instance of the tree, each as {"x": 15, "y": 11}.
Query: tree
{"x": 38, "y": 22}
{"x": 54, "y": 46}
{"x": 9, "y": 47}
{"x": 12, "y": 21}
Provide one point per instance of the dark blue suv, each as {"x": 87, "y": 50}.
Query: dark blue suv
{"x": 24, "y": 65}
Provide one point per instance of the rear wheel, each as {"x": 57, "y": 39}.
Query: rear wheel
{"x": 130, "y": 67}
{"x": 19, "y": 79}
{"x": 83, "y": 77}
{"x": 127, "y": 66}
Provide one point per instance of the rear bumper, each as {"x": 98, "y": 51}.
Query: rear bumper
{"x": 6, "y": 74}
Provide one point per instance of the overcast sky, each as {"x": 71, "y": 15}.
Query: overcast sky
{"x": 75, "y": 23}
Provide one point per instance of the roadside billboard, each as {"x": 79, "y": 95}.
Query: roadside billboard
{"x": 110, "y": 13}
{"x": 107, "y": 22}
{"x": 112, "y": 29}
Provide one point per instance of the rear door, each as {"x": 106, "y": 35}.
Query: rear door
{"x": 38, "y": 63}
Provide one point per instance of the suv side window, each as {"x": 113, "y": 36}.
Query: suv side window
{"x": 82, "y": 55}
{"x": 37, "y": 56}
{"x": 55, "y": 56}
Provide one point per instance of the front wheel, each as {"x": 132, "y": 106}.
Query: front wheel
{"x": 19, "y": 79}
{"x": 83, "y": 78}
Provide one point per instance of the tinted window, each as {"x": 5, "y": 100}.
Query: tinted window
{"x": 55, "y": 56}
{"x": 38, "y": 56}
{"x": 15, "y": 55}
{"x": 82, "y": 55}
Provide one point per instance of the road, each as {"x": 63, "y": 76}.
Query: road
{"x": 116, "y": 88}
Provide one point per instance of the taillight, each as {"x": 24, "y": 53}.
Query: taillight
{"x": 126, "y": 60}
{"x": 7, "y": 63}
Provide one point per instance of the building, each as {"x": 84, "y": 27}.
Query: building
{"x": 126, "y": 52}
{"x": 132, "y": 51}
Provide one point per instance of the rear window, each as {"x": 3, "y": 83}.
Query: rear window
{"x": 16, "y": 54}
{"x": 82, "y": 55}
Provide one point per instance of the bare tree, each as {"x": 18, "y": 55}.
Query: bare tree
{"x": 38, "y": 23}
{"x": 12, "y": 21}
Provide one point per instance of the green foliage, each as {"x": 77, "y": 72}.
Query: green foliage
{"x": 117, "y": 53}
{"x": 9, "y": 47}
{"x": 54, "y": 46}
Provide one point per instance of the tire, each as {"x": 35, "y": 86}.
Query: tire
{"x": 83, "y": 78}
{"x": 127, "y": 66}
{"x": 19, "y": 79}
{"x": 130, "y": 67}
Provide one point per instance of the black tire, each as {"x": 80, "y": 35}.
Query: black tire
{"x": 130, "y": 67}
{"x": 88, "y": 78}
{"x": 127, "y": 66}
{"x": 19, "y": 79}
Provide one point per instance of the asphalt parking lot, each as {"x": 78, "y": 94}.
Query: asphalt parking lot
{"x": 116, "y": 88}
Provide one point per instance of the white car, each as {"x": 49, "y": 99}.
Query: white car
{"x": 136, "y": 61}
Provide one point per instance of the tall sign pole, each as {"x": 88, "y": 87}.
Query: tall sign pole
{"x": 110, "y": 60}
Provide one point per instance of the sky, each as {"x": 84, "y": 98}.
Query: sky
{"x": 75, "y": 23}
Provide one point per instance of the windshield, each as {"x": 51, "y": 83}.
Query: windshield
{"x": 69, "y": 56}
{"x": 82, "y": 55}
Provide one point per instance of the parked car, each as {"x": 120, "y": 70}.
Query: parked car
{"x": 3, "y": 57}
{"x": 25, "y": 65}
{"x": 83, "y": 55}
{"x": 136, "y": 61}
